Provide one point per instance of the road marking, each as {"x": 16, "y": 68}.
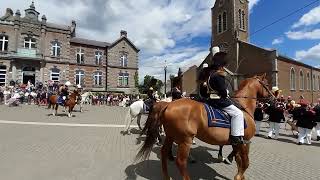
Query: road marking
{"x": 65, "y": 124}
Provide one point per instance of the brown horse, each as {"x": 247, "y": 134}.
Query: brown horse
{"x": 71, "y": 102}
{"x": 185, "y": 119}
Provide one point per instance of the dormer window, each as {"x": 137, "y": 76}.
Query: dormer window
{"x": 4, "y": 41}
{"x": 29, "y": 43}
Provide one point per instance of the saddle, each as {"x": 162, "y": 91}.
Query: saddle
{"x": 218, "y": 118}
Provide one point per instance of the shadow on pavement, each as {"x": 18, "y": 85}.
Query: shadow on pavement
{"x": 151, "y": 169}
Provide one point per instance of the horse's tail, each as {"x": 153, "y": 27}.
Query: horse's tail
{"x": 151, "y": 129}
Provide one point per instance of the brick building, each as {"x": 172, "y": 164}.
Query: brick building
{"x": 230, "y": 32}
{"x": 37, "y": 50}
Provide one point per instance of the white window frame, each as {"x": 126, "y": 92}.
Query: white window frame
{"x": 55, "y": 75}
{"x": 98, "y": 55}
{"x": 318, "y": 82}
{"x": 55, "y": 47}
{"x": 124, "y": 60}
{"x": 80, "y": 52}
{"x": 97, "y": 77}
{"x": 301, "y": 80}
{"x": 29, "y": 42}
{"x": 4, "y": 39}
{"x": 123, "y": 79}
{"x": 3, "y": 72}
{"x": 292, "y": 79}
{"x": 81, "y": 75}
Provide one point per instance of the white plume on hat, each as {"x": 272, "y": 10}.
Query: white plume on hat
{"x": 68, "y": 83}
{"x": 275, "y": 88}
{"x": 79, "y": 86}
{"x": 215, "y": 50}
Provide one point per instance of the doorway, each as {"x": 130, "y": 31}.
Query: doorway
{"x": 28, "y": 74}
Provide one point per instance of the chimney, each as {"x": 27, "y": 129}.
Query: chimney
{"x": 44, "y": 19}
{"x": 123, "y": 33}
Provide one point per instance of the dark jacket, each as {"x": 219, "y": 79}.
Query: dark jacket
{"x": 306, "y": 118}
{"x": 217, "y": 82}
{"x": 317, "y": 111}
{"x": 176, "y": 94}
{"x": 258, "y": 114}
{"x": 275, "y": 112}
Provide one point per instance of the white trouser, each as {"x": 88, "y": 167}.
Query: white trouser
{"x": 237, "y": 120}
{"x": 258, "y": 124}
{"x": 304, "y": 133}
{"x": 274, "y": 129}
{"x": 318, "y": 128}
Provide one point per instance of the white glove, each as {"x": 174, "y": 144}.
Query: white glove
{"x": 64, "y": 97}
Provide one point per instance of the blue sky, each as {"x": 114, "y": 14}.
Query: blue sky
{"x": 179, "y": 31}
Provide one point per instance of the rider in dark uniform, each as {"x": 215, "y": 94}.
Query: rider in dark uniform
{"x": 219, "y": 97}
{"x": 150, "y": 100}
{"x": 176, "y": 93}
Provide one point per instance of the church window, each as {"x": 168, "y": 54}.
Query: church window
{"x": 98, "y": 55}
{"x": 4, "y": 41}
{"x": 314, "y": 82}
{"x": 3, "y": 75}
{"x": 29, "y": 43}
{"x": 292, "y": 79}
{"x": 56, "y": 48}
{"x": 243, "y": 20}
{"x": 80, "y": 56}
{"x": 240, "y": 18}
{"x": 219, "y": 23}
{"x": 319, "y": 83}
{"x": 308, "y": 81}
{"x": 79, "y": 77}
{"x": 301, "y": 78}
{"x": 55, "y": 75}
{"x": 224, "y": 21}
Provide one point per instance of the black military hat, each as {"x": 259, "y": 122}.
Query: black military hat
{"x": 219, "y": 60}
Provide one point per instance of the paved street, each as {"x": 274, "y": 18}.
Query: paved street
{"x": 40, "y": 151}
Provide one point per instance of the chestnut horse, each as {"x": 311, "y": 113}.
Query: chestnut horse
{"x": 185, "y": 119}
{"x": 71, "y": 102}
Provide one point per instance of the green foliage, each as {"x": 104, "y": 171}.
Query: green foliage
{"x": 150, "y": 81}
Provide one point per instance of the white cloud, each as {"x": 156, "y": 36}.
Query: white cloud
{"x": 277, "y": 41}
{"x": 154, "y": 26}
{"x": 310, "y": 18}
{"x": 312, "y": 54}
{"x": 298, "y": 35}
{"x": 252, "y": 3}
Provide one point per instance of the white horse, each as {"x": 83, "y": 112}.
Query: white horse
{"x": 85, "y": 99}
{"x": 135, "y": 112}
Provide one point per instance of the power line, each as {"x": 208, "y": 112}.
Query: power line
{"x": 284, "y": 17}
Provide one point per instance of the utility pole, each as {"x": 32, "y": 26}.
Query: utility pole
{"x": 165, "y": 79}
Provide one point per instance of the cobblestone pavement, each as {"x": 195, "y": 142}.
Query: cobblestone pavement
{"x": 42, "y": 152}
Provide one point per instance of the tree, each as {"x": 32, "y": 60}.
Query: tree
{"x": 150, "y": 81}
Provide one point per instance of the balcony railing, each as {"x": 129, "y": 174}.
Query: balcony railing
{"x": 22, "y": 53}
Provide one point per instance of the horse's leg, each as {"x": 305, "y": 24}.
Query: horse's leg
{"x": 220, "y": 156}
{"x": 166, "y": 148}
{"x": 70, "y": 112}
{"x": 56, "y": 109}
{"x": 139, "y": 121}
{"x": 245, "y": 158}
{"x": 229, "y": 159}
{"x": 242, "y": 160}
{"x": 182, "y": 159}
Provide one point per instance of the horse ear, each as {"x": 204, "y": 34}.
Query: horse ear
{"x": 263, "y": 76}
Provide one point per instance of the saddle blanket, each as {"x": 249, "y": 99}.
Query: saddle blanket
{"x": 218, "y": 118}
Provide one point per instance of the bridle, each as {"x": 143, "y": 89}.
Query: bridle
{"x": 263, "y": 86}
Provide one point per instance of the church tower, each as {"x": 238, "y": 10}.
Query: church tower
{"x": 230, "y": 24}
